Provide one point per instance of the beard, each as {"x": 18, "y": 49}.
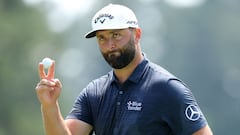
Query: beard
{"x": 121, "y": 57}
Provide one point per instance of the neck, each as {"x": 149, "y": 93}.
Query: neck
{"x": 124, "y": 73}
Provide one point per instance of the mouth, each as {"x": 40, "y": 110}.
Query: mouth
{"x": 114, "y": 54}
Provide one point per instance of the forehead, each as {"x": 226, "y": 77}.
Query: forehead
{"x": 101, "y": 32}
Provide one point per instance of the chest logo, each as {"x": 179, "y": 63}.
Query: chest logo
{"x": 134, "y": 106}
{"x": 192, "y": 112}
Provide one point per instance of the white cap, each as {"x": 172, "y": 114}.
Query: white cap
{"x": 112, "y": 16}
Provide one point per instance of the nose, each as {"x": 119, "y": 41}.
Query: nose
{"x": 110, "y": 44}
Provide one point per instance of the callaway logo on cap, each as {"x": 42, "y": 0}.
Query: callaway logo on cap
{"x": 112, "y": 16}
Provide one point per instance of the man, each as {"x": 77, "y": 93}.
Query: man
{"x": 137, "y": 97}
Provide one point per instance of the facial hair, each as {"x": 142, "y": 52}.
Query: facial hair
{"x": 121, "y": 57}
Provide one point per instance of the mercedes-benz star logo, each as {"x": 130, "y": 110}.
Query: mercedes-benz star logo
{"x": 192, "y": 112}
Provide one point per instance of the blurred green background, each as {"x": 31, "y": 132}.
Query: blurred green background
{"x": 197, "y": 40}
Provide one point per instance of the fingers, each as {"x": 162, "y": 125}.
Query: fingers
{"x": 49, "y": 83}
{"x": 51, "y": 71}
{"x": 44, "y": 83}
{"x": 57, "y": 82}
{"x": 42, "y": 73}
{"x": 48, "y": 91}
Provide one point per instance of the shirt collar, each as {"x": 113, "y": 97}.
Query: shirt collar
{"x": 139, "y": 70}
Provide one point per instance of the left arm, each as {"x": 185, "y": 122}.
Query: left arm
{"x": 204, "y": 131}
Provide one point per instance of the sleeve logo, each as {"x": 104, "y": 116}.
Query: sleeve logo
{"x": 192, "y": 112}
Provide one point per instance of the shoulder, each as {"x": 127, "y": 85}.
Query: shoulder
{"x": 99, "y": 81}
{"x": 159, "y": 75}
{"x": 166, "y": 82}
{"x": 159, "y": 71}
{"x": 96, "y": 86}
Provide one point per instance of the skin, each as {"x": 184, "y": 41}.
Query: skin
{"x": 111, "y": 40}
{"x": 49, "y": 88}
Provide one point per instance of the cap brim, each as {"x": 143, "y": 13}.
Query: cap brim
{"x": 90, "y": 34}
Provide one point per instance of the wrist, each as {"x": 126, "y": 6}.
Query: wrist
{"x": 52, "y": 107}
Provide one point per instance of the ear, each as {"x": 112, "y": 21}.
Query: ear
{"x": 138, "y": 33}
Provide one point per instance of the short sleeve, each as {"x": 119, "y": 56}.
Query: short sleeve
{"x": 81, "y": 109}
{"x": 185, "y": 116}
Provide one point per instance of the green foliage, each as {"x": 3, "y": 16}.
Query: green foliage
{"x": 21, "y": 28}
{"x": 200, "y": 45}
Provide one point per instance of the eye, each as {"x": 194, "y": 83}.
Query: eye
{"x": 100, "y": 38}
{"x": 116, "y": 35}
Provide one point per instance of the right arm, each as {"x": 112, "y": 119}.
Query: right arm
{"x": 48, "y": 91}
{"x": 56, "y": 125}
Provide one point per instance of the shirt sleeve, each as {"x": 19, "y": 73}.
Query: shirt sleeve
{"x": 81, "y": 109}
{"x": 185, "y": 116}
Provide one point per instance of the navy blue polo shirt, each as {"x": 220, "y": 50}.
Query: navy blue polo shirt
{"x": 151, "y": 102}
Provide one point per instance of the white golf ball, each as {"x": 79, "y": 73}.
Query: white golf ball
{"x": 47, "y": 62}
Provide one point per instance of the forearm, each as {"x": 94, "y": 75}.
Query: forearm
{"x": 53, "y": 121}
{"x": 204, "y": 131}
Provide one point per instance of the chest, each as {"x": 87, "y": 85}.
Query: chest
{"x": 127, "y": 109}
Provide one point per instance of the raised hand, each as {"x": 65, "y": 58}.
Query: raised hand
{"x": 49, "y": 88}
